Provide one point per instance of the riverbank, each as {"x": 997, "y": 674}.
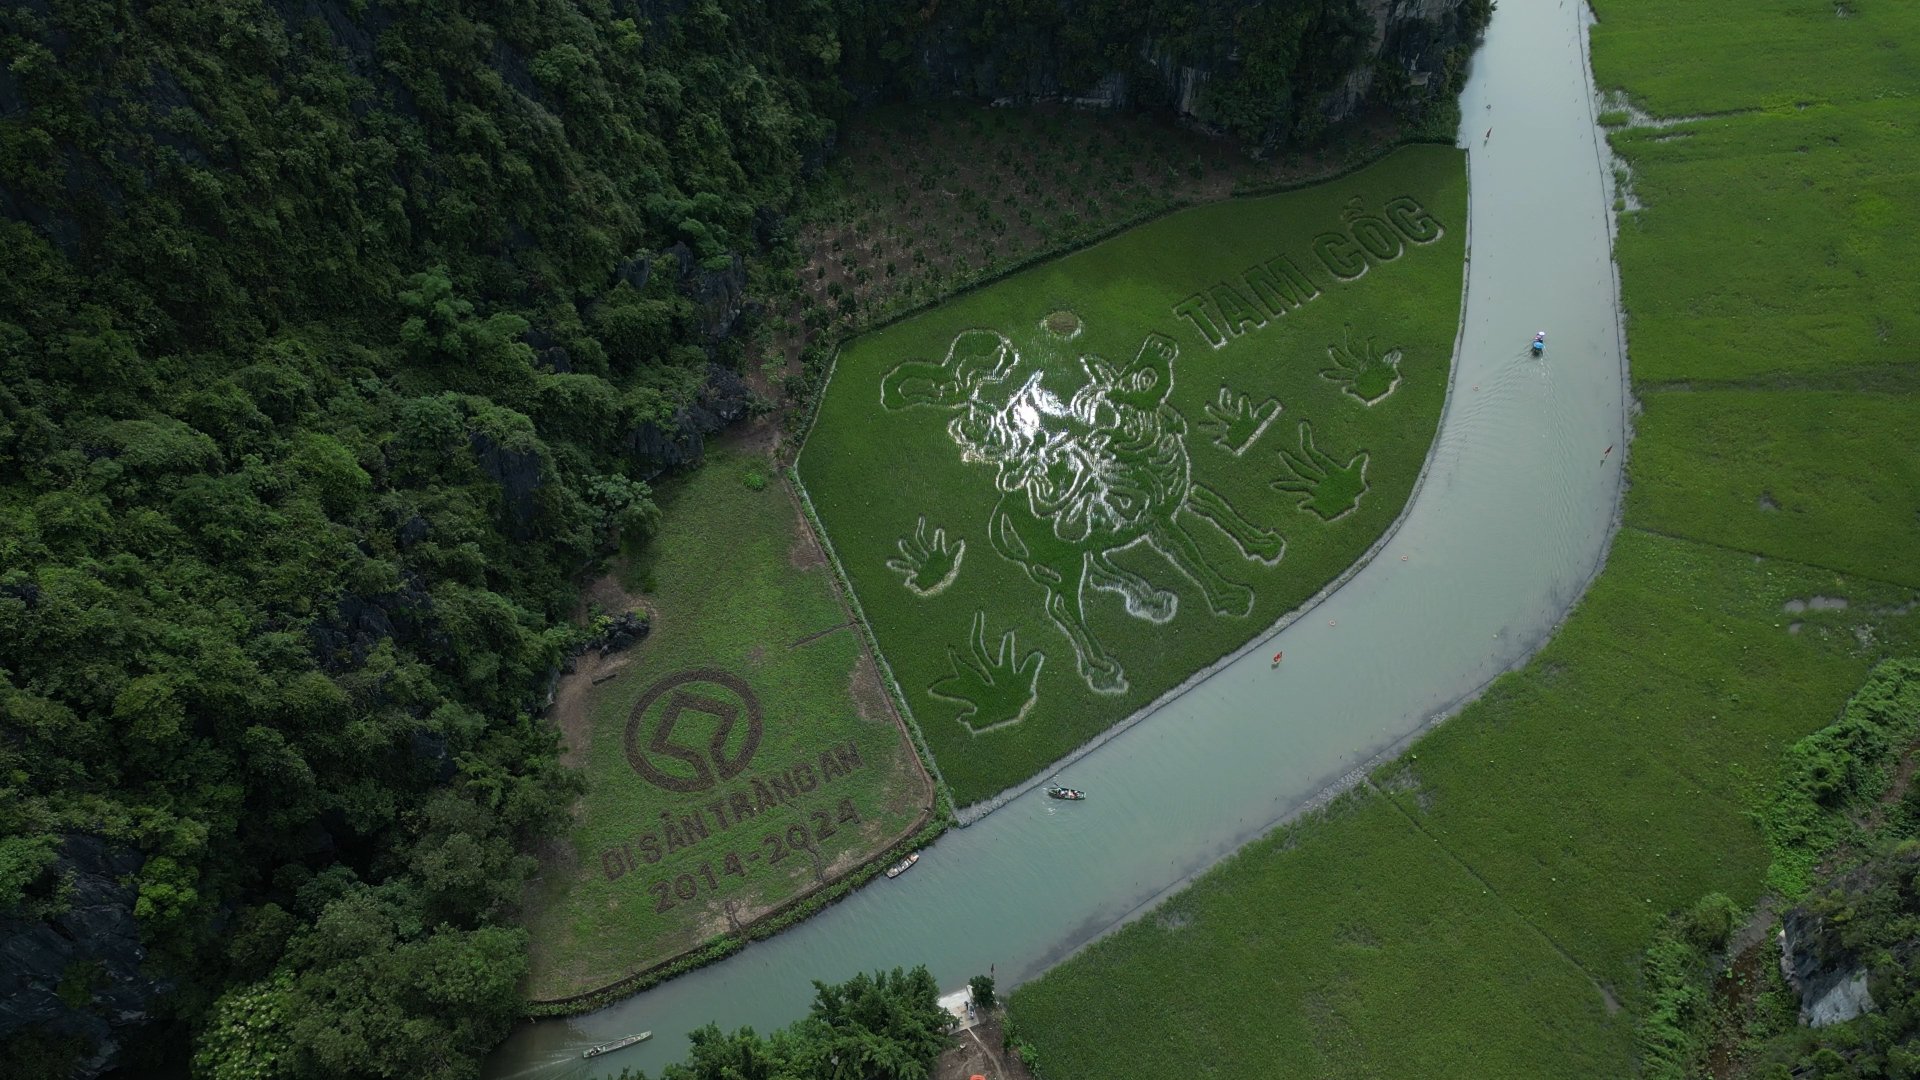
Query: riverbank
{"x": 980, "y": 1050}
{"x": 1608, "y": 783}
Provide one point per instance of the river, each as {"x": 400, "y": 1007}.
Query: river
{"x": 1509, "y": 526}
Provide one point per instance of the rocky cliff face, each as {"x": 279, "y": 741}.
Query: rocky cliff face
{"x": 1830, "y": 980}
{"x": 80, "y": 974}
{"x": 1241, "y": 67}
{"x": 1415, "y": 40}
{"x": 720, "y": 309}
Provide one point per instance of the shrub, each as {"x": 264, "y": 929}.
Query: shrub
{"x": 982, "y": 987}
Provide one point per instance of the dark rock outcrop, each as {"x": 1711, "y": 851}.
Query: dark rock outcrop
{"x": 635, "y": 271}
{"x": 1055, "y": 55}
{"x": 518, "y": 474}
{"x": 27, "y": 592}
{"x": 623, "y": 633}
{"x": 81, "y": 973}
{"x": 411, "y": 532}
{"x": 344, "y": 640}
{"x": 718, "y": 292}
{"x": 1831, "y": 982}
{"x": 722, "y": 400}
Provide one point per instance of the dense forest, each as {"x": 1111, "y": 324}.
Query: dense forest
{"x": 337, "y": 338}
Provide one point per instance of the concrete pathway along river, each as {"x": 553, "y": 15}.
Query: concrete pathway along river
{"x": 1498, "y": 543}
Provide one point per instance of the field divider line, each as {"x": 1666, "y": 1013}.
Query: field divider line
{"x": 1795, "y": 381}
{"x": 1606, "y": 996}
{"x": 1732, "y": 550}
{"x": 863, "y": 627}
{"x": 818, "y": 634}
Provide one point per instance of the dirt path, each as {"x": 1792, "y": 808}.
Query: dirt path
{"x": 977, "y": 1053}
{"x": 574, "y": 691}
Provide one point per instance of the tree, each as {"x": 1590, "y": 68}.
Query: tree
{"x": 884, "y": 1026}
{"x": 982, "y": 987}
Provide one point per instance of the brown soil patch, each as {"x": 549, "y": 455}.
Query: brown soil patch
{"x": 844, "y": 862}
{"x": 571, "y": 700}
{"x": 1063, "y": 323}
{"x": 715, "y": 920}
{"x": 748, "y": 912}
{"x": 606, "y": 593}
{"x": 557, "y": 857}
{"x": 977, "y": 1052}
{"x": 556, "y": 862}
{"x": 572, "y": 694}
{"x": 1736, "y": 993}
{"x": 806, "y": 553}
{"x": 758, "y": 436}
{"x": 1903, "y": 775}
{"x": 1904, "y": 771}
{"x": 869, "y": 696}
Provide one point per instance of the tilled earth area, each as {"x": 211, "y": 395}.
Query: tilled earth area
{"x": 977, "y": 1052}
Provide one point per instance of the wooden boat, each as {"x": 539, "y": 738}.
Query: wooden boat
{"x": 617, "y": 1044}
{"x": 903, "y": 865}
{"x": 1054, "y": 791}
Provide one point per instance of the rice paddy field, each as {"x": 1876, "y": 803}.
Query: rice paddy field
{"x": 1480, "y": 908}
{"x": 1060, "y": 495}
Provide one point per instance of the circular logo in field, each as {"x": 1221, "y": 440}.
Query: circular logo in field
{"x": 692, "y": 730}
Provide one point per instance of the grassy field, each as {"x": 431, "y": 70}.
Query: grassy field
{"x": 1060, "y": 495}
{"x": 1238, "y": 978}
{"x": 1506, "y": 870}
{"x": 1776, "y": 470}
{"x": 1783, "y": 248}
{"x": 1615, "y": 779}
{"x": 742, "y": 755}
